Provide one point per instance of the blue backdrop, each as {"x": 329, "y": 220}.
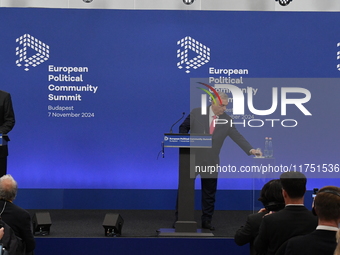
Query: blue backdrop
{"x": 131, "y": 58}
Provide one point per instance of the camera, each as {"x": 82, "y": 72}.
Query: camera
{"x": 188, "y": 2}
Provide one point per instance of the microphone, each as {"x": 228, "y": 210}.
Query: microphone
{"x": 183, "y": 113}
{"x": 162, "y": 149}
{"x": 201, "y": 124}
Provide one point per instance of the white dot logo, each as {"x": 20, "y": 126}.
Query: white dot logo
{"x": 189, "y": 45}
{"x": 27, "y": 42}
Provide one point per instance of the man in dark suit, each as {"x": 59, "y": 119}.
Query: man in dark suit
{"x": 272, "y": 200}
{"x": 14, "y": 216}
{"x": 323, "y": 239}
{"x": 294, "y": 220}
{"x": 198, "y": 123}
{"x": 7, "y": 121}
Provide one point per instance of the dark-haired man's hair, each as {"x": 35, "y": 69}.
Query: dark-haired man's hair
{"x": 294, "y": 183}
{"x": 271, "y": 196}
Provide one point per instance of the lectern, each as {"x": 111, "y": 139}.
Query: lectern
{"x": 186, "y": 224}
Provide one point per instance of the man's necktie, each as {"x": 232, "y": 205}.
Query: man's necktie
{"x": 212, "y": 124}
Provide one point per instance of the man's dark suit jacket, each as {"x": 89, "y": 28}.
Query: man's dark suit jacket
{"x": 278, "y": 227}
{"x": 319, "y": 242}
{"x": 197, "y": 123}
{"x": 20, "y": 221}
{"x": 248, "y": 232}
{"x": 7, "y": 119}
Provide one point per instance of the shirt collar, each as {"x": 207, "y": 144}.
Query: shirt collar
{"x": 323, "y": 227}
{"x": 211, "y": 114}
